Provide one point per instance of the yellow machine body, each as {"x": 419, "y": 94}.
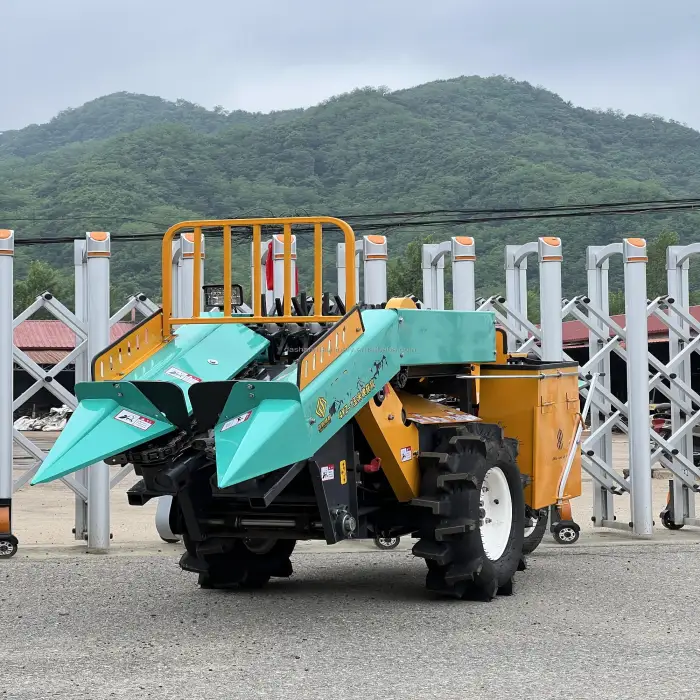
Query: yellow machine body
{"x": 395, "y": 443}
{"x": 539, "y": 406}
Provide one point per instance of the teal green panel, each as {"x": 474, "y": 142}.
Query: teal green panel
{"x": 353, "y": 378}
{"x": 428, "y": 337}
{"x": 202, "y": 353}
{"x": 106, "y": 422}
{"x": 287, "y": 425}
{"x": 259, "y": 430}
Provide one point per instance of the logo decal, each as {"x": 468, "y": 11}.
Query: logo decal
{"x": 365, "y": 391}
{"x": 560, "y": 440}
{"x": 321, "y": 406}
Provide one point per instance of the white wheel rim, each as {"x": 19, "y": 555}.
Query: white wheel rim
{"x": 529, "y": 530}
{"x": 498, "y": 513}
{"x": 567, "y": 534}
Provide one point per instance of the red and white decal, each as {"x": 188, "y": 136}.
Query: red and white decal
{"x": 135, "y": 420}
{"x": 328, "y": 473}
{"x": 236, "y": 421}
{"x": 182, "y": 376}
{"x": 406, "y": 454}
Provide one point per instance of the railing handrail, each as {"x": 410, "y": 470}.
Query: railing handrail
{"x": 256, "y": 223}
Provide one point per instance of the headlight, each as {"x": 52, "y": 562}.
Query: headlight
{"x": 214, "y": 295}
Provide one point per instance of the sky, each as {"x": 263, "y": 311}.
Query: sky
{"x": 638, "y": 56}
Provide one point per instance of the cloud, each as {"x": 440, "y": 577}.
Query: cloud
{"x": 273, "y": 54}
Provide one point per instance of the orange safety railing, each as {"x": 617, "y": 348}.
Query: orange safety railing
{"x": 256, "y": 224}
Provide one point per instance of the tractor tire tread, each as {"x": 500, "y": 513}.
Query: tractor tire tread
{"x": 451, "y": 543}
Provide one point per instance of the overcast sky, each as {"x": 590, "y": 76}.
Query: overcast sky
{"x": 640, "y": 56}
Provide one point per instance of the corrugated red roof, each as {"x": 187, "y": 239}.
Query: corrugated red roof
{"x": 575, "y": 333}
{"x": 47, "y": 357}
{"x": 55, "y": 335}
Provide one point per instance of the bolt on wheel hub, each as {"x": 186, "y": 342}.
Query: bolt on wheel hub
{"x": 498, "y": 513}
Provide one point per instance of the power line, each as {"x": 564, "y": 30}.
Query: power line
{"x": 447, "y": 217}
{"x": 382, "y": 215}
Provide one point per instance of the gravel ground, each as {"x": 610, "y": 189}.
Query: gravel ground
{"x": 586, "y": 622}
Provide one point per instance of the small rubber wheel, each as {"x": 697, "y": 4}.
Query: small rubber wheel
{"x": 565, "y": 533}
{"x": 8, "y": 547}
{"x": 386, "y": 542}
{"x": 667, "y": 521}
{"x": 535, "y": 532}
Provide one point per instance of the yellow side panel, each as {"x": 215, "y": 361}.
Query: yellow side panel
{"x": 320, "y": 356}
{"x": 394, "y": 443}
{"x": 556, "y": 419}
{"x": 534, "y": 411}
{"x": 510, "y": 403}
{"x": 131, "y": 350}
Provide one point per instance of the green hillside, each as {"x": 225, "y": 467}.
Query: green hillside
{"x": 133, "y": 163}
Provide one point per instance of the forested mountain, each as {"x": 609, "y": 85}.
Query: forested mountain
{"x": 132, "y": 163}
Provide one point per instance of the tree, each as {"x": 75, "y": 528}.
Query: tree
{"x": 41, "y": 277}
{"x": 657, "y": 284}
{"x": 616, "y": 302}
{"x": 533, "y": 305}
{"x": 137, "y": 164}
{"x": 404, "y": 273}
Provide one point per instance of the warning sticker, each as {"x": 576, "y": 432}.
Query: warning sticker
{"x": 343, "y": 472}
{"x": 182, "y": 376}
{"x": 140, "y": 422}
{"x": 236, "y": 421}
{"x": 328, "y": 473}
{"x": 406, "y": 454}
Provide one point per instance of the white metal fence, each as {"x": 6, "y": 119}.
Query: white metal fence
{"x": 645, "y": 372}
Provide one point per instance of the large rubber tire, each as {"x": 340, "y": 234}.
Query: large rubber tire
{"x": 533, "y": 538}
{"x": 242, "y": 568}
{"x": 456, "y": 543}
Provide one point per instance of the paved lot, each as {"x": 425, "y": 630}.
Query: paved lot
{"x": 607, "y": 618}
{"x": 585, "y": 623}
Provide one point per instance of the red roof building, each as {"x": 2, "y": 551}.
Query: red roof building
{"x": 48, "y": 342}
{"x": 575, "y": 333}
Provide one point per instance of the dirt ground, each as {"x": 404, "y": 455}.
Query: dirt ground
{"x": 44, "y": 515}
